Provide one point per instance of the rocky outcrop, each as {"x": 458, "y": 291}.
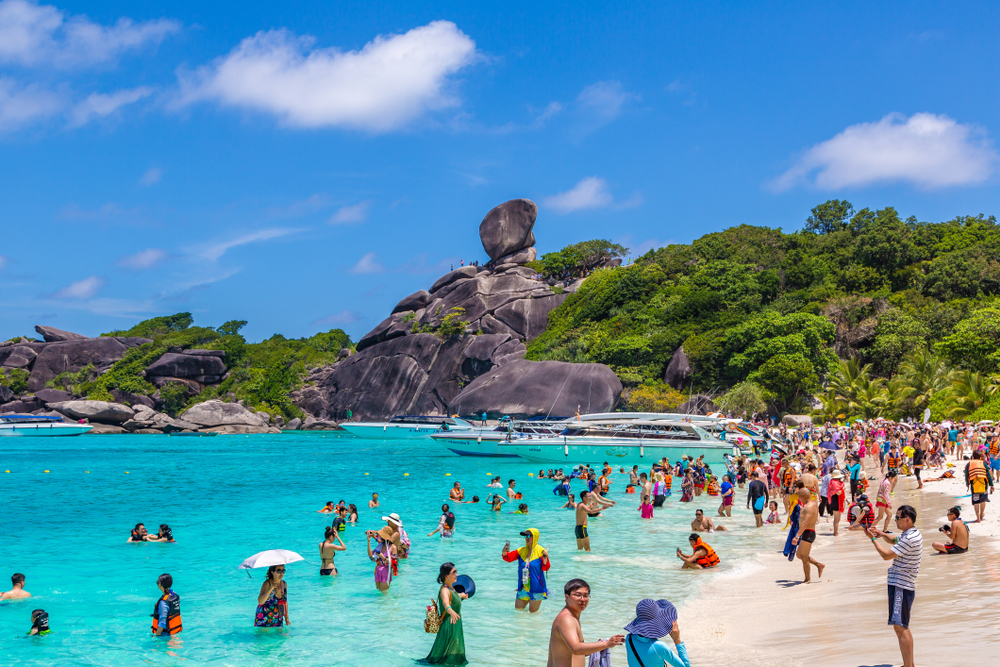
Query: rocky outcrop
{"x": 201, "y": 366}
{"x": 698, "y": 404}
{"x": 211, "y": 415}
{"x": 71, "y": 355}
{"x": 53, "y": 335}
{"x": 678, "y": 370}
{"x": 415, "y": 301}
{"x": 524, "y": 388}
{"x": 18, "y": 356}
{"x": 53, "y": 395}
{"x": 507, "y": 228}
{"x": 97, "y": 411}
{"x": 797, "y": 420}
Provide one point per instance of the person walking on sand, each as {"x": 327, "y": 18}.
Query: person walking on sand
{"x": 836, "y": 499}
{"x": 532, "y": 564}
{"x": 16, "y": 591}
{"x": 449, "y": 643}
{"x": 883, "y": 501}
{"x": 272, "y": 601}
{"x": 582, "y": 514}
{"x": 977, "y": 479}
{"x": 957, "y": 532}
{"x": 566, "y": 645}
{"x": 757, "y": 496}
{"x": 808, "y": 517}
{"x": 902, "y": 577}
{"x": 655, "y": 619}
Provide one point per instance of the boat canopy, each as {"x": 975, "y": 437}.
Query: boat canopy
{"x": 28, "y": 419}
{"x": 422, "y": 419}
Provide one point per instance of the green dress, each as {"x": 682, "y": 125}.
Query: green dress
{"x": 449, "y": 645}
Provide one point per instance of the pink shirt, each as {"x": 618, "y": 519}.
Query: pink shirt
{"x": 647, "y": 510}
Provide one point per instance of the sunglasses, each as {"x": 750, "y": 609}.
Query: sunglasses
{"x": 281, "y": 571}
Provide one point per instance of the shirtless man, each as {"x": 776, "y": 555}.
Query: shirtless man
{"x": 457, "y": 493}
{"x": 566, "y": 645}
{"x": 374, "y": 501}
{"x": 958, "y": 533}
{"x": 511, "y": 493}
{"x": 807, "y": 533}
{"x": 810, "y": 482}
{"x": 17, "y": 591}
{"x": 703, "y": 524}
{"x": 582, "y": 513}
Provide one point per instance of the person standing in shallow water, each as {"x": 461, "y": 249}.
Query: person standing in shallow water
{"x": 272, "y": 601}
{"x": 328, "y": 549}
{"x": 383, "y": 557}
{"x": 532, "y": 563}
{"x": 449, "y": 643}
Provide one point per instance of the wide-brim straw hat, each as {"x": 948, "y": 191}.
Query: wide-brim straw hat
{"x": 653, "y": 619}
{"x": 394, "y": 519}
{"x": 385, "y": 533}
{"x": 836, "y": 474}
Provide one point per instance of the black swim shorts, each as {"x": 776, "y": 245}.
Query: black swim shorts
{"x": 808, "y": 536}
{"x": 581, "y": 532}
{"x": 980, "y": 498}
{"x": 953, "y": 549}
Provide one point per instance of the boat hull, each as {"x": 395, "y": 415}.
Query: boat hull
{"x": 390, "y": 432}
{"x": 615, "y": 451}
{"x": 57, "y": 429}
{"x": 485, "y": 444}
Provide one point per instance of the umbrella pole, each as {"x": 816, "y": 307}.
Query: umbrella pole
{"x": 248, "y": 574}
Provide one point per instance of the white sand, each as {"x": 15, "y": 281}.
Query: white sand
{"x": 760, "y": 615}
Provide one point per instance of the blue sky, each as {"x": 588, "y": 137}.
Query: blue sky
{"x": 304, "y": 165}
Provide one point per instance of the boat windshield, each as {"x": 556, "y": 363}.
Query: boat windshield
{"x": 657, "y": 431}
{"x": 428, "y": 420}
{"x": 28, "y": 419}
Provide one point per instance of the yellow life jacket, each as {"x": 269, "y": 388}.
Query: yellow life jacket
{"x": 978, "y": 477}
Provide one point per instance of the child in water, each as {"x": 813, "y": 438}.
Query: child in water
{"x": 496, "y": 501}
{"x": 39, "y": 623}
{"x": 773, "y": 516}
{"x": 646, "y": 507}
{"x": 521, "y": 509}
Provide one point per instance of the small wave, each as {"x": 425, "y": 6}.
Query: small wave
{"x": 742, "y": 568}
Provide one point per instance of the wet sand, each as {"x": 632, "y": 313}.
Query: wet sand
{"x": 762, "y": 615}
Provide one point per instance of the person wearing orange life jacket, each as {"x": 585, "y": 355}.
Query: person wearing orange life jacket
{"x": 861, "y": 514}
{"x": 893, "y": 460}
{"x": 167, "y": 611}
{"x": 703, "y": 557}
{"x": 977, "y": 479}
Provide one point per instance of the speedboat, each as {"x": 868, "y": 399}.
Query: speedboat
{"x": 39, "y": 425}
{"x": 485, "y": 442}
{"x": 406, "y": 427}
{"x": 625, "y": 441}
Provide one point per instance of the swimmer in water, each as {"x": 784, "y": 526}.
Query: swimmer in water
{"x": 521, "y": 509}
{"x": 328, "y": 549}
{"x": 352, "y": 513}
{"x": 39, "y": 623}
{"x": 16, "y": 591}
{"x": 496, "y": 501}
{"x": 703, "y": 524}
{"x": 138, "y": 534}
{"x": 570, "y": 504}
{"x": 165, "y": 535}
{"x": 328, "y": 508}
{"x": 374, "y": 501}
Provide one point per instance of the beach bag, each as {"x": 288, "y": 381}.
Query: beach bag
{"x": 433, "y": 622}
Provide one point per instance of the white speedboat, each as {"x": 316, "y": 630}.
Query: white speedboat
{"x": 623, "y": 441}
{"x": 406, "y": 427}
{"x": 32, "y": 425}
{"x": 485, "y": 442}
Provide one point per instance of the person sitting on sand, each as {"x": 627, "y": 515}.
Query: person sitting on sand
{"x": 958, "y": 533}
{"x": 773, "y": 516}
{"x": 703, "y": 524}
{"x": 328, "y": 508}
{"x": 16, "y": 591}
{"x": 702, "y": 557}
{"x": 374, "y": 501}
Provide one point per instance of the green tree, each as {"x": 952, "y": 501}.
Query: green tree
{"x": 745, "y": 398}
{"x": 969, "y": 392}
{"x": 830, "y": 216}
{"x": 232, "y": 327}
{"x": 921, "y": 375}
{"x": 975, "y": 343}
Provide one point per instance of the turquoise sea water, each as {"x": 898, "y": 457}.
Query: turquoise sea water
{"x": 229, "y": 497}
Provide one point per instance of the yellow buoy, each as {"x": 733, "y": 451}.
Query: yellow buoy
{"x": 46, "y": 471}
{"x": 126, "y": 472}
{"x": 366, "y": 473}
{"x": 531, "y": 474}
{"x": 447, "y": 474}
{"x": 6, "y": 471}
{"x": 87, "y": 471}
{"x": 406, "y": 474}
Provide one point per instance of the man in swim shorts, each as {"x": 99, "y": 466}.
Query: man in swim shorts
{"x": 582, "y": 536}
{"x": 703, "y": 524}
{"x": 958, "y": 533}
{"x": 807, "y": 533}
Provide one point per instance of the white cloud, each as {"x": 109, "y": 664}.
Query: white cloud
{"x": 391, "y": 81}
{"x": 152, "y": 176}
{"x": 926, "y": 150}
{"x": 605, "y": 99}
{"x": 82, "y": 289}
{"x": 33, "y": 35}
{"x": 591, "y": 192}
{"x": 216, "y": 249}
{"x": 99, "y": 105}
{"x": 351, "y": 213}
{"x": 368, "y": 264}
{"x": 343, "y": 317}
{"x": 19, "y": 106}
{"x": 305, "y": 206}
{"x": 143, "y": 260}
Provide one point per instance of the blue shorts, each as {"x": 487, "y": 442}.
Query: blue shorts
{"x": 531, "y": 597}
{"x": 995, "y": 464}
{"x": 900, "y": 602}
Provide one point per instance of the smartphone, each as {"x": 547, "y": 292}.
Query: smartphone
{"x": 508, "y": 545}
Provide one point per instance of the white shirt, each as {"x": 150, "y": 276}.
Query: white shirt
{"x": 906, "y": 564}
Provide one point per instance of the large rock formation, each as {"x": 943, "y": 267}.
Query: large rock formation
{"x": 507, "y": 228}
{"x": 53, "y": 335}
{"x": 528, "y": 388}
{"x": 698, "y": 404}
{"x": 72, "y": 355}
{"x": 419, "y": 359}
{"x": 98, "y": 411}
{"x": 220, "y": 417}
{"x": 678, "y": 370}
{"x": 202, "y": 366}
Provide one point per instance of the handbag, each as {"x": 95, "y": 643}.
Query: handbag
{"x": 433, "y": 622}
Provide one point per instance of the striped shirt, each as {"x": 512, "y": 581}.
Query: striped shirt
{"x": 906, "y": 564}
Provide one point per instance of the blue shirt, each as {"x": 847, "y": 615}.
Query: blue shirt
{"x": 655, "y": 652}
{"x": 726, "y": 486}
{"x": 162, "y": 610}
{"x": 855, "y": 469}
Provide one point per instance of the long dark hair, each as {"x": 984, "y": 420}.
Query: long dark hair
{"x": 446, "y": 569}
{"x": 270, "y": 572}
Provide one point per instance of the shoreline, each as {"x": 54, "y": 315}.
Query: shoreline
{"x": 764, "y": 614}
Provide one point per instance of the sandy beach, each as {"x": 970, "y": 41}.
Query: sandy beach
{"x": 762, "y": 615}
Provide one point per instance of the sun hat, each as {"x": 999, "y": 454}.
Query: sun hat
{"x": 653, "y": 619}
{"x": 836, "y": 474}
{"x": 465, "y": 584}
{"x": 385, "y": 533}
{"x": 393, "y": 518}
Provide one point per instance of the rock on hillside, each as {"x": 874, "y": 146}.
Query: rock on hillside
{"x": 527, "y": 388}
{"x": 98, "y": 411}
{"x": 72, "y": 355}
{"x": 225, "y": 418}
{"x": 53, "y": 335}
{"x": 406, "y": 365}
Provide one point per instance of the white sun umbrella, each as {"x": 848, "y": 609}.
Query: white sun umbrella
{"x": 269, "y": 558}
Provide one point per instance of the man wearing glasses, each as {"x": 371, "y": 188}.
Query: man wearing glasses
{"x": 905, "y": 556}
{"x": 566, "y": 645}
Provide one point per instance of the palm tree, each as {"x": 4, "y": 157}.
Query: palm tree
{"x": 968, "y": 392}
{"x": 853, "y": 392}
{"x": 921, "y": 374}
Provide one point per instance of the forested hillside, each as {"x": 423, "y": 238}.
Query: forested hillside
{"x": 872, "y": 313}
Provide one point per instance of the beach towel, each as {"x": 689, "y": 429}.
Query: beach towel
{"x": 601, "y": 658}
{"x": 789, "y": 547}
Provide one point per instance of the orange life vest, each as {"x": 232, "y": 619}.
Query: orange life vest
{"x": 788, "y": 477}
{"x": 978, "y": 477}
{"x": 629, "y": 489}
{"x": 994, "y": 449}
{"x": 892, "y": 461}
{"x": 668, "y": 479}
{"x": 173, "y": 614}
{"x": 711, "y": 559}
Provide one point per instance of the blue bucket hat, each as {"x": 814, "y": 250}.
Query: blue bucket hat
{"x": 653, "y": 619}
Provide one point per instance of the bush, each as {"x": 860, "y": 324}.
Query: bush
{"x": 744, "y": 398}
{"x": 15, "y": 379}
{"x": 653, "y": 398}
{"x": 451, "y": 324}
{"x": 174, "y": 397}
